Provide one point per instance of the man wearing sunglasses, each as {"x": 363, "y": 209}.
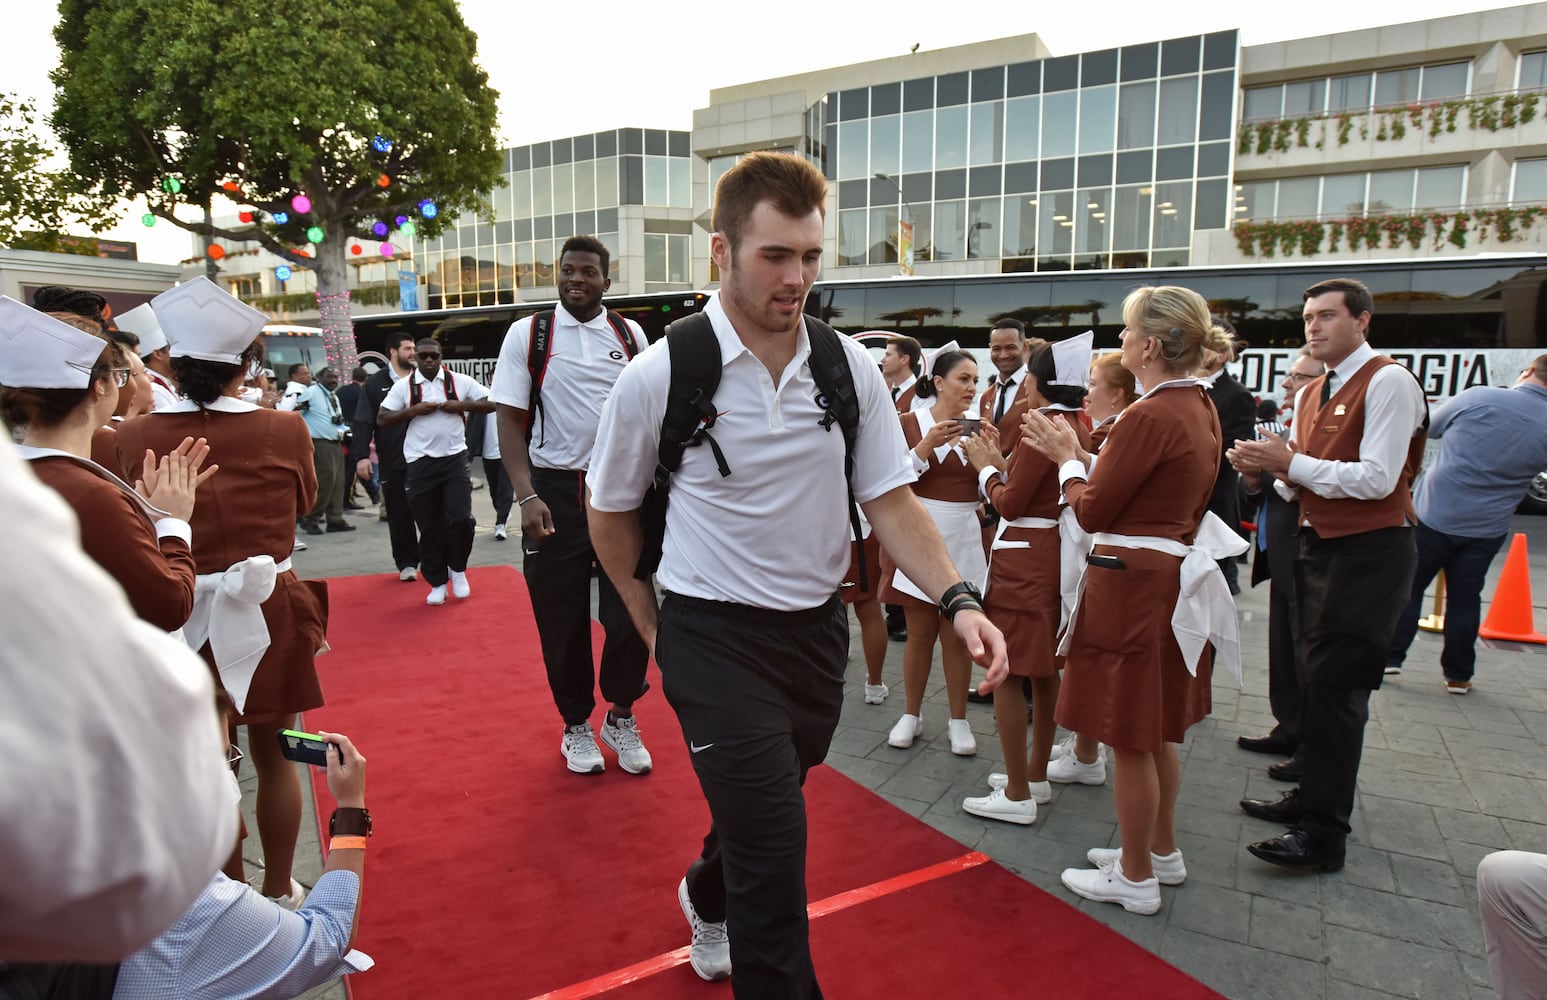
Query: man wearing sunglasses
{"x": 434, "y": 401}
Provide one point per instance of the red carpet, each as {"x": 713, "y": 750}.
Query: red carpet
{"x": 493, "y": 867}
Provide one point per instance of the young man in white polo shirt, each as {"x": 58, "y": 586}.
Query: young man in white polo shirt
{"x": 587, "y": 349}
{"x": 751, "y": 638}
{"x": 440, "y": 492}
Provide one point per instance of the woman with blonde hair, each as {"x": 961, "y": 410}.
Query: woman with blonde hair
{"x": 1134, "y": 680}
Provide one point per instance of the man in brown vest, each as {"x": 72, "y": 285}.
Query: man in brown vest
{"x": 1358, "y": 441}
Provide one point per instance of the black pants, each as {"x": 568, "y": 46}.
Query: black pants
{"x": 502, "y": 493}
{"x": 400, "y": 519}
{"x": 1286, "y": 662}
{"x": 1351, "y": 590}
{"x": 440, "y": 494}
{"x": 558, "y": 573}
{"x": 1465, "y": 562}
{"x": 758, "y": 695}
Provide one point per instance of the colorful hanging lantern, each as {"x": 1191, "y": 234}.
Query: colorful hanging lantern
{"x": 356, "y": 249}
{"x": 301, "y": 203}
{"x": 148, "y": 219}
{"x": 314, "y": 234}
{"x": 384, "y": 181}
{"x": 244, "y": 216}
{"x": 216, "y": 251}
{"x": 280, "y": 218}
{"x": 407, "y": 227}
{"x": 380, "y": 229}
{"x": 428, "y": 209}
{"x": 381, "y": 144}
{"x": 388, "y": 250}
{"x": 171, "y": 185}
{"x": 283, "y": 272}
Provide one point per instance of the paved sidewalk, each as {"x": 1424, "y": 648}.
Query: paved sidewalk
{"x": 1444, "y": 780}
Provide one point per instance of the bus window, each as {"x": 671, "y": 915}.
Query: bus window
{"x": 923, "y": 311}
{"x": 982, "y": 303}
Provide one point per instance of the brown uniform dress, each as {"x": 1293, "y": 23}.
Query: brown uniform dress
{"x": 249, "y": 508}
{"x": 1098, "y": 434}
{"x": 1125, "y": 682}
{"x": 952, "y": 480}
{"x": 104, "y": 451}
{"x": 1022, "y": 596}
{"x": 156, "y": 574}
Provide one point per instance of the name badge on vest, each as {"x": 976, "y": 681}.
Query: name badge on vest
{"x": 1339, "y": 410}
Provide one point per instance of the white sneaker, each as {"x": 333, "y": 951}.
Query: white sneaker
{"x": 1041, "y": 791}
{"x": 710, "y": 952}
{"x": 408, "y": 574}
{"x": 499, "y": 532}
{"x": 294, "y": 900}
{"x": 623, "y": 738}
{"x": 1069, "y": 770}
{"x": 1110, "y": 885}
{"x": 1065, "y": 747}
{"x": 300, "y": 546}
{"x": 459, "y": 586}
{"x": 1168, "y": 869}
{"x": 580, "y": 750}
{"x": 437, "y": 596}
{"x": 995, "y": 805}
{"x": 963, "y": 743}
{"x": 875, "y": 694}
{"x": 905, "y": 732}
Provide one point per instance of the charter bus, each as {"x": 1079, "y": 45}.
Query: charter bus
{"x": 1455, "y": 323}
{"x": 286, "y": 344}
{"x": 470, "y": 338}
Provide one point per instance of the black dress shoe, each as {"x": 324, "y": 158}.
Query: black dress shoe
{"x": 311, "y": 529}
{"x": 979, "y": 699}
{"x": 1286, "y": 770}
{"x": 1285, "y": 810}
{"x": 1300, "y": 850}
{"x": 897, "y": 634}
{"x": 1272, "y": 743}
{"x": 341, "y": 526}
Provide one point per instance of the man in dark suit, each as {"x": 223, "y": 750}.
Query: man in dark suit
{"x": 1237, "y": 422}
{"x": 349, "y": 402}
{"x": 1276, "y": 547}
{"x": 393, "y": 468}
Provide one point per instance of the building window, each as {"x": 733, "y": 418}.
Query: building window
{"x": 1529, "y": 186}
{"x": 1356, "y": 92}
{"x": 666, "y": 257}
{"x": 1533, "y": 71}
{"x": 1342, "y": 195}
{"x": 245, "y": 287}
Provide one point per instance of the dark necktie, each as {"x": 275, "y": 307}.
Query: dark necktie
{"x": 895, "y": 389}
{"x": 1004, "y": 396}
{"x": 1326, "y": 389}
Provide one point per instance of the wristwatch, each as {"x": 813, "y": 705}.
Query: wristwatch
{"x": 348, "y": 822}
{"x": 962, "y": 596}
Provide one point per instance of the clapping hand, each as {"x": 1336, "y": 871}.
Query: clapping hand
{"x": 172, "y": 483}
{"x": 1053, "y": 438}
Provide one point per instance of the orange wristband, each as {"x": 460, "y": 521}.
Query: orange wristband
{"x": 346, "y": 844}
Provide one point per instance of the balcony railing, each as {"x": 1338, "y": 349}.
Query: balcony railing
{"x": 1414, "y": 230}
{"x": 1318, "y": 130}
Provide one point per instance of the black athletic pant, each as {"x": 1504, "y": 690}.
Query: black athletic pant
{"x": 440, "y": 493}
{"x": 758, "y": 695}
{"x": 502, "y": 493}
{"x": 558, "y": 578}
{"x": 1286, "y": 663}
{"x": 400, "y": 519}
{"x": 1350, "y": 590}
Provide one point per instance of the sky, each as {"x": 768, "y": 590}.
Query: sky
{"x": 613, "y": 63}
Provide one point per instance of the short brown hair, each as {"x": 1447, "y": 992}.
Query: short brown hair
{"x": 1109, "y": 369}
{"x": 1539, "y": 367}
{"x": 794, "y": 186}
{"x": 1355, "y": 295}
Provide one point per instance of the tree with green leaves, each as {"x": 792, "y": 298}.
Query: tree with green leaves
{"x": 325, "y": 121}
{"x": 38, "y": 202}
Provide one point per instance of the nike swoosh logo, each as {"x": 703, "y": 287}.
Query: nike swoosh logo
{"x": 698, "y": 749}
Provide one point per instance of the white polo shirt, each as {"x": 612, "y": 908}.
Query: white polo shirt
{"x": 584, "y": 360}
{"x": 775, "y": 532}
{"x": 438, "y": 434}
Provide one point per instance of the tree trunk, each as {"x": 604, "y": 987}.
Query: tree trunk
{"x": 338, "y": 331}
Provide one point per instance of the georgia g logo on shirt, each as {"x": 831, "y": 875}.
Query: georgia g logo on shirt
{"x": 616, "y": 355}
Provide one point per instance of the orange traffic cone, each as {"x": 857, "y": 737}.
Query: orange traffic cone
{"x": 1510, "y": 614}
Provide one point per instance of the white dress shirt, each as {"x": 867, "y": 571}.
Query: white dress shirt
{"x": 1006, "y": 392}
{"x": 439, "y": 434}
{"x": 1394, "y": 410}
{"x": 775, "y": 532}
{"x": 116, "y": 803}
{"x": 584, "y": 360}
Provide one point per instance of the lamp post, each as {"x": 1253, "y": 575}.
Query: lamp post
{"x": 904, "y": 229}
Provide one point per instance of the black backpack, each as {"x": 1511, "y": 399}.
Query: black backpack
{"x": 690, "y": 413}
{"x": 540, "y": 343}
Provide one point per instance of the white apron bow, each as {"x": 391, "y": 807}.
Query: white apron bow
{"x": 228, "y": 613}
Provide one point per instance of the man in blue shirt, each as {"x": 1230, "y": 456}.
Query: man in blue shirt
{"x": 1492, "y": 443}
{"x": 324, "y": 415}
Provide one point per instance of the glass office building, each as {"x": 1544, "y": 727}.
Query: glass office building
{"x": 629, "y": 187}
{"x": 1105, "y": 159}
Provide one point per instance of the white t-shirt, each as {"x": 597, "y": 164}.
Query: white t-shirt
{"x": 584, "y": 360}
{"x": 775, "y": 532}
{"x": 439, "y": 434}
{"x": 116, "y": 802}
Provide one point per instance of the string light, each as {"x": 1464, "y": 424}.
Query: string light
{"x": 280, "y": 218}
{"x": 148, "y": 219}
{"x": 380, "y": 229}
{"x": 314, "y": 234}
{"x": 381, "y": 144}
{"x": 428, "y": 209}
{"x": 283, "y": 272}
{"x": 171, "y": 185}
{"x": 388, "y": 250}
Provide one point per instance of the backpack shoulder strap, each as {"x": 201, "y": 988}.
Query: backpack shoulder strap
{"x": 695, "y": 375}
{"x": 538, "y": 346}
{"x": 621, "y": 330}
{"x": 835, "y": 379}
